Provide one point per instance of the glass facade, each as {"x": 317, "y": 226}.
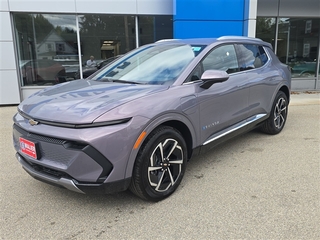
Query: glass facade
{"x": 46, "y": 46}
{"x": 296, "y": 42}
{"x": 105, "y": 36}
{"x": 266, "y": 29}
{"x": 154, "y": 28}
{"x": 298, "y": 45}
{"x": 54, "y": 48}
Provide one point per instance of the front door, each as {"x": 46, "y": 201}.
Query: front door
{"x": 223, "y": 104}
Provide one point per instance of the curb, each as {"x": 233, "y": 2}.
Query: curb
{"x": 305, "y": 98}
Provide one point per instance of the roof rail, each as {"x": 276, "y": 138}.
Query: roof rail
{"x": 237, "y": 37}
{"x": 167, "y": 40}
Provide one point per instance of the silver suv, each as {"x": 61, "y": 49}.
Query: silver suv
{"x": 136, "y": 123}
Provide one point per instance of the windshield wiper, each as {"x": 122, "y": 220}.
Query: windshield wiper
{"x": 119, "y": 81}
{"x": 124, "y": 81}
{"x": 105, "y": 79}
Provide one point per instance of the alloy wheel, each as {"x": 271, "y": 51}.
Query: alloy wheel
{"x": 280, "y": 113}
{"x": 165, "y": 165}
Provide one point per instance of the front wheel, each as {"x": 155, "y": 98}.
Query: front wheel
{"x": 278, "y": 116}
{"x": 160, "y": 164}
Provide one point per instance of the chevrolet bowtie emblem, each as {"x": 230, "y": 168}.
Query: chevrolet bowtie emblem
{"x": 33, "y": 122}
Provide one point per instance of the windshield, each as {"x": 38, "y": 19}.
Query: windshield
{"x": 152, "y": 64}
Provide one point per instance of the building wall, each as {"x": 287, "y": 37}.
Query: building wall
{"x": 93, "y": 6}
{"x": 206, "y": 18}
{"x": 289, "y": 8}
{"x": 9, "y": 87}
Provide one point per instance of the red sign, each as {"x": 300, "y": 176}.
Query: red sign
{"x": 28, "y": 148}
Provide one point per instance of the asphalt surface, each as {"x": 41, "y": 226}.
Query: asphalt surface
{"x": 255, "y": 186}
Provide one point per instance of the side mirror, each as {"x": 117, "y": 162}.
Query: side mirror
{"x": 210, "y": 77}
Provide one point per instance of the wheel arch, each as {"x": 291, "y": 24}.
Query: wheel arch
{"x": 174, "y": 120}
{"x": 185, "y": 132}
{"x": 286, "y": 91}
{"x": 160, "y": 163}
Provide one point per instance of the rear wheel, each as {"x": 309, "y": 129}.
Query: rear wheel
{"x": 278, "y": 116}
{"x": 160, "y": 164}
{"x": 307, "y": 74}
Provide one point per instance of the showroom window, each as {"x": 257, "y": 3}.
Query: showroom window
{"x": 154, "y": 28}
{"x": 297, "y": 43}
{"x": 105, "y": 36}
{"x": 266, "y": 29}
{"x": 46, "y": 47}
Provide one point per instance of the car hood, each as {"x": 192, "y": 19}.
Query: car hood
{"x": 82, "y": 101}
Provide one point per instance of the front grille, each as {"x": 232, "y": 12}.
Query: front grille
{"x": 59, "y": 157}
{"x": 50, "y": 149}
{"x": 38, "y": 137}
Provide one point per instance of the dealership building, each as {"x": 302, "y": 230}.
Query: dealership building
{"x": 45, "y": 42}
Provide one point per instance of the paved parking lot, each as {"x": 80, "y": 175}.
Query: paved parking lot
{"x": 253, "y": 187}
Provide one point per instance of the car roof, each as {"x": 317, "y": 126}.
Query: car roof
{"x": 203, "y": 41}
{"x": 208, "y": 41}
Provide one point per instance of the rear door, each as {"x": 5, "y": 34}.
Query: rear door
{"x": 261, "y": 75}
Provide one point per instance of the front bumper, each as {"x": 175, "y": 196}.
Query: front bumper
{"x": 72, "y": 184}
{"x": 64, "y": 158}
{"x": 86, "y": 160}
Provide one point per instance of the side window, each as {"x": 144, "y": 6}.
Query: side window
{"x": 263, "y": 56}
{"x": 251, "y": 56}
{"x": 196, "y": 73}
{"x": 222, "y": 58}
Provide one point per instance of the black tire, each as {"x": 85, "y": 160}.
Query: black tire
{"x": 157, "y": 175}
{"x": 278, "y": 115}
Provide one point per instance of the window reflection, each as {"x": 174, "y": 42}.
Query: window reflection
{"x": 154, "y": 28}
{"x": 298, "y": 41}
{"x": 46, "y": 47}
{"x": 266, "y": 29}
{"x": 222, "y": 58}
{"x": 160, "y": 64}
{"x": 103, "y": 39}
{"x": 106, "y": 36}
{"x": 297, "y": 44}
{"x": 253, "y": 56}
